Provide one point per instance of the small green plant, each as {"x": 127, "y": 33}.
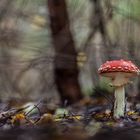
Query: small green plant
{"x": 100, "y": 91}
{"x": 103, "y": 91}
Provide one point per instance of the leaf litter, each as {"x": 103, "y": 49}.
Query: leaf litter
{"x": 83, "y": 120}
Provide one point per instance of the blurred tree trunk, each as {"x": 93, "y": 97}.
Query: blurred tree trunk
{"x": 66, "y": 71}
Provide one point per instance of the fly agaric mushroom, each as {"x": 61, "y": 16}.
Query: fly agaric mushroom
{"x": 119, "y": 72}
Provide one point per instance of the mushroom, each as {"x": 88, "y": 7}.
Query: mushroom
{"x": 119, "y": 72}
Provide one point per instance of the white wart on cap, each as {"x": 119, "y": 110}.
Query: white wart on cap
{"x": 119, "y": 71}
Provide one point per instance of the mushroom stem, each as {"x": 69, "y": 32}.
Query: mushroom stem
{"x": 119, "y": 105}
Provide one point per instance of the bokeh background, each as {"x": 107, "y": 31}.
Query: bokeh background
{"x": 52, "y": 49}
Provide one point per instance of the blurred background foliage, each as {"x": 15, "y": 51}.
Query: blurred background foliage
{"x": 102, "y": 30}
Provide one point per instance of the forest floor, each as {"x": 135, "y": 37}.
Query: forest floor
{"x": 81, "y": 121}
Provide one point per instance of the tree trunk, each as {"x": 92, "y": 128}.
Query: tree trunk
{"x": 66, "y": 71}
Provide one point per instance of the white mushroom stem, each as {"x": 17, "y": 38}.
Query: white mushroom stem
{"x": 119, "y": 105}
{"x": 119, "y": 81}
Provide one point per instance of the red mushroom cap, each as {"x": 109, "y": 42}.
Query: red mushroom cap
{"x": 118, "y": 66}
